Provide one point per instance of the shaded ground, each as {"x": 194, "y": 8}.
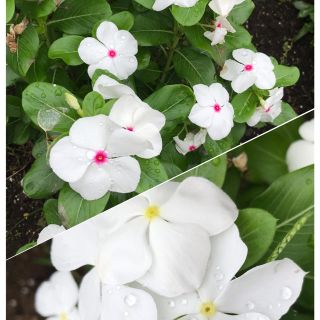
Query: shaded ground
{"x": 273, "y": 25}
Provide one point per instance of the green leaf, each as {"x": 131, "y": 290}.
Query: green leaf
{"x": 40, "y": 181}
{"x": 46, "y": 106}
{"x": 35, "y": 8}
{"x": 194, "y": 66}
{"x": 73, "y": 209}
{"x": 241, "y": 13}
{"x": 21, "y": 132}
{"x": 287, "y": 113}
{"x": 244, "y": 105}
{"x": 26, "y": 247}
{"x": 124, "y": 20}
{"x": 143, "y": 57}
{"x": 152, "y": 29}
{"x": 286, "y": 76}
{"x": 66, "y": 48}
{"x": 240, "y": 39}
{"x": 50, "y": 212}
{"x": 190, "y": 16}
{"x": 174, "y": 101}
{"x": 77, "y": 17}
{"x": 149, "y": 74}
{"x": 27, "y": 48}
{"x": 93, "y": 104}
{"x": 257, "y": 229}
{"x": 9, "y": 10}
{"x": 214, "y": 170}
{"x": 216, "y": 147}
{"x": 152, "y": 174}
{"x": 146, "y": 3}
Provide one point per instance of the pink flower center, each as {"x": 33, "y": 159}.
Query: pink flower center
{"x": 219, "y": 25}
{"x": 192, "y": 148}
{"x": 267, "y": 109}
{"x": 248, "y": 67}
{"x": 112, "y": 53}
{"x": 100, "y": 157}
{"x": 217, "y": 107}
{"x": 130, "y": 128}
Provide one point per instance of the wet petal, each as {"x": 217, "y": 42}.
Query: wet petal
{"x": 91, "y": 51}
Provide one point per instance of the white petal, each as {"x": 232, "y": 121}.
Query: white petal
{"x": 105, "y": 64}
{"x": 269, "y": 289}
{"x": 228, "y": 253}
{"x": 91, "y": 51}
{"x": 180, "y": 256}
{"x": 123, "y": 303}
{"x": 49, "y": 232}
{"x": 255, "y": 118}
{"x": 218, "y": 36}
{"x": 110, "y": 88}
{"x": 125, "y": 43}
{"x": 220, "y": 94}
{"x": 160, "y": 5}
{"x": 196, "y": 316}
{"x": 221, "y": 7}
{"x": 75, "y": 248}
{"x": 262, "y": 61}
{"x": 266, "y": 79}
{"x": 124, "y": 66}
{"x": 300, "y": 154}
{"x": 231, "y": 70}
{"x": 276, "y": 96}
{"x": 200, "y": 137}
{"x": 306, "y": 130}
{"x": 244, "y": 56}
{"x": 106, "y": 33}
{"x": 125, "y": 255}
{"x": 226, "y": 24}
{"x": 161, "y": 194}
{"x": 244, "y": 316}
{"x": 182, "y": 146}
{"x": 201, "y": 116}
{"x": 90, "y": 296}
{"x": 58, "y": 294}
{"x": 244, "y": 81}
{"x": 68, "y": 161}
{"x": 185, "y": 3}
{"x": 92, "y": 132}
{"x": 203, "y": 95}
{"x": 193, "y": 202}
{"x": 94, "y": 184}
{"x": 124, "y": 173}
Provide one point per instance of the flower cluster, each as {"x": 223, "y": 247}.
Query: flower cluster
{"x": 170, "y": 252}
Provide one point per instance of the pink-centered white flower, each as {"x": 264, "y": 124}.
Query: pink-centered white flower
{"x": 110, "y": 88}
{"x": 269, "y": 110}
{"x": 101, "y": 302}
{"x": 223, "y": 7}
{"x": 56, "y": 298}
{"x": 213, "y": 110}
{"x": 113, "y": 50}
{"x": 141, "y": 122}
{"x": 95, "y": 157}
{"x": 249, "y": 68}
{"x": 160, "y": 5}
{"x": 159, "y": 238}
{"x": 222, "y": 27}
{"x": 191, "y": 142}
{"x": 301, "y": 152}
{"x": 265, "y": 292}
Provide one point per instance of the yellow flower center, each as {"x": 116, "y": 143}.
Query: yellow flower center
{"x": 208, "y": 309}
{"x": 63, "y": 316}
{"x": 152, "y": 212}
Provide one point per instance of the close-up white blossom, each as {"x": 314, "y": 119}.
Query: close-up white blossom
{"x": 49, "y": 232}
{"x": 213, "y": 110}
{"x": 222, "y": 27}
{"x": 223, "y": 7}
{"x": 265, "y": 292}
{"x": 160, "y": 238}
{"x": 141, "y": 122}
{"x": 191, "y": 142}
{"x": 56, "y": 298}
{"x": 269, "y": 109}
{"x": 95, "y": 157}
{"x": 160, "y": 5}
{"x": 301, "y": 152}
{"x": 114, "y": 50}
{"x": 110, "y": 88}
{"x": 249, "y": 68}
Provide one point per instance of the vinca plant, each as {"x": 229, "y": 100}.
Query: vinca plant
{"x": 118, "y": 96}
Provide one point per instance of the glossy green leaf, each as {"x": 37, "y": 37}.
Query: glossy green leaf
{"x": 244, "y": 105}
{"x": 286, "y": 76}
{"x": 241, "y": 13}
{"x": 50, "y": 212}
{"x": 189, "y": 16}
{"x": 9, "y": 10}
{"x": 93, "y": 104}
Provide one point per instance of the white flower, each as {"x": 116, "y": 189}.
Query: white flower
{"x": 160, "y": 5}
{"x": 249, "y": 69}
{"x": 223, "y": 7}
{"x": 213, "y": 110}
{"x": 114, "y": 51}
{"x": 191, "y": 142}
{"x": 160, "y": 238}
{"x": 101, "y": 302}
{"x": 269, "y": 109}
{"x": 56, "y": 298}
{"x": 110, "y": 88}
{"x": 222, "y": 28}
{"x": 94, "y": 158}
{"x": 141, "y": 122}
{"x": 301, "y": 152}
{"x": 49, "y": 232}
{"x": 265, "y": 292}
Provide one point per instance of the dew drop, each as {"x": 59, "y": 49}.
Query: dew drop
{"x": 219, "y": 276}
{"x": 217, "y": 267}
{"x": 90, "y": 155}
{"x": 43, "y": 95}
{"x": 270, "y": 306}
{"x": 184, "y": 301}
{"x": 100, "y": 124}
{"x": 279, "y": 305}
{"x": 250, "y": 305}
{"x": 126, "y": 313}
{"x": 286, "y": 293}
{"x": 132, "y": 60}
{"x": 220, "y": 288}
{"x": 130, "y": 300}
{"x": 171, "y": 304}
{"x": 109, "y": 291}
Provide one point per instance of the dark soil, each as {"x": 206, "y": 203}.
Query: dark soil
{"x": 273, "y": 25}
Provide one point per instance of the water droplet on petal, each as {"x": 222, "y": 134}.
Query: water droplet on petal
{"x": 132, "y": 60}
{"x": 130, "y": 300}
{"x": 171, "y": 303}
{"x": 286, "y": 293}
{"x": 109, "y": 291}
{"x": 279, "y": 305}
{"x": 184, "y": 301}
{"x": 100, "y": 123}
{"x": 250, "y": 305}
{"x": 219, "y": 276}
{"x": 90, "y": 155}
{"x": 270, "y": 306}
{"x": 220, "y": 288}
{"x": 126, "y": 313}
